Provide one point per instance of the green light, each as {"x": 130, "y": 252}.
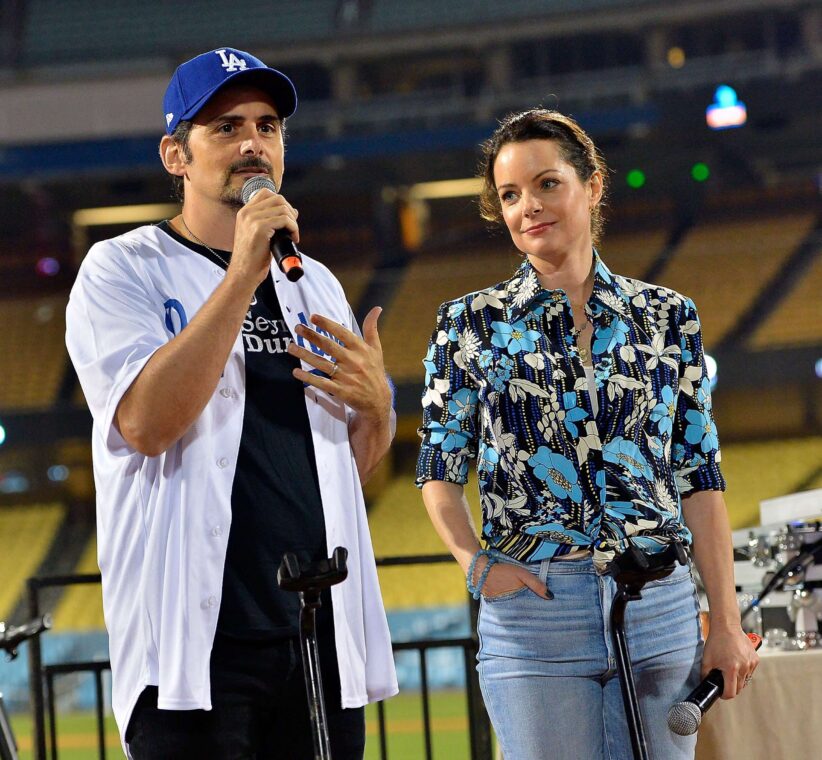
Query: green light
{"x": 635, "y": 179}
{"x": 700, "y": 172}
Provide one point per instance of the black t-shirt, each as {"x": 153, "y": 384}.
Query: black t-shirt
{"x": 275, "y": 499}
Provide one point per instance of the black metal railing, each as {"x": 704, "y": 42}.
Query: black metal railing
{"x": 42, "y": 677}
{"x": 38, "y": 677}
{"x": 97, "y": 667}
{"x": 479, "y": 725}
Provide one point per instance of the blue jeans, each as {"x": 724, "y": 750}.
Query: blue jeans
{"x": 548, "y": 672}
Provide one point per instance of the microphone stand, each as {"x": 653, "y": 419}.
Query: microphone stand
{"x": 309, "y": 581}
{"x": 631, "y": 570}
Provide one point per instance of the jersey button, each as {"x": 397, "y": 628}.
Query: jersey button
{"x": 222, "y": 463}
{"x": 209, "y": 603}
{"x": 217, "y": 531}
{"x": 226, "y": 392}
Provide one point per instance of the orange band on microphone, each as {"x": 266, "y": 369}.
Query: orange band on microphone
{"x": 756, "y": 640}
{"x": 293, "y": 267}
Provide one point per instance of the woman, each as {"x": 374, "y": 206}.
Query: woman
{"x": 584, "y": 398}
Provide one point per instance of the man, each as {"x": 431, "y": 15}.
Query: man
{"x": 220, "y": 443}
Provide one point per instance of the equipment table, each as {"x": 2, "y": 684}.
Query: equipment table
{"x": 776, "y": 717}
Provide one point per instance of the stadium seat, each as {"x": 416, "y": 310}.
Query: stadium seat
{"x": 33, "y": 349}
{"x": 26, "y": 533}
{"x": 81, "y": 606}
{"x": 795, "y": 321}
{"x": 741, "y": 257}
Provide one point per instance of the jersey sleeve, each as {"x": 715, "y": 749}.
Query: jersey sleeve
{"x": 113, "y": 327}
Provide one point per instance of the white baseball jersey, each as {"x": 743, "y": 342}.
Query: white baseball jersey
{"x": 163, "y": 521}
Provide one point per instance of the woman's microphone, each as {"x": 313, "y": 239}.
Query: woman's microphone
{"x": 282, "y": 246}
{"x": 684, "y": 717}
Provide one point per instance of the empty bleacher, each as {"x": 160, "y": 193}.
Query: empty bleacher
{"x": 26, "y": 533}
{"x": 59, "y": 32}
{"x": 32, "y": 345}
{"x": 354, "y": 279}
{"x": 796, "y": 319}
{"x": 760, "y": 412}
{"x": 81, "y": 607}
{"x": 632, "y": 254}
{"x": 765, "y": 469}
{"x": 400, "y": 527}
{"x": 427, "y": 282}
{"x": 724, "y": 266}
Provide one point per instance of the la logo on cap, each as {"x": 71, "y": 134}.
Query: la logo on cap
{"x": 231, "y": 63}
{"x": 169, "y": 117}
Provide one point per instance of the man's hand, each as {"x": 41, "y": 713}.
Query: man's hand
{"x": 355, "y": 374}
{"x": 256, "y": 224}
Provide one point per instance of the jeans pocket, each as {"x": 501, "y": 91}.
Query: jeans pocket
{"x": 506, "y": 595}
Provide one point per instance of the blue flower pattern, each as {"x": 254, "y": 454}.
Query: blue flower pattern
{"x": 665, "y": 411}
{"x": 573, "y": 413}
{"x": 558, "y": 473}
{"x": 552, "y": 477}
{"x": 463, "y": 403}
{"x": 515, "y": 337}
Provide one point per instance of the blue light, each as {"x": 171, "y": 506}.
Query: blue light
{"x": 727, "y": 111}
{"x": 57, "y": 473}
{"x": 14, "y": 482}
{"x": 725, "y": 96}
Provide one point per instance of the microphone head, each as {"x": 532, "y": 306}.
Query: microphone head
{"x": 256, "y": 183}
{"x": 684, "y": 718}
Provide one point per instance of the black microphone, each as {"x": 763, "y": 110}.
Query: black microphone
{"x": 684, "y": 717}
{"x": 282, "y": 246}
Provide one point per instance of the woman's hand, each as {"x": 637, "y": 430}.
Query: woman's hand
{"x": 731, "y": 651}
{"x": 504, "y": 578}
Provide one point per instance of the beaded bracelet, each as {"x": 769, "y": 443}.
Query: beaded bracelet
{"x": 475, "y": 590}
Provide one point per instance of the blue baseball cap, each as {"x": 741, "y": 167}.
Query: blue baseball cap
{"x": 195, "y": 81}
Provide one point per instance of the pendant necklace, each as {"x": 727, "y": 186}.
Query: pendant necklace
{"x": 584, "y": 351}
{"x": 197, "y": 240}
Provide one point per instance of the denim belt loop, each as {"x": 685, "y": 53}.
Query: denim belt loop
{"x": 543, "y": 576}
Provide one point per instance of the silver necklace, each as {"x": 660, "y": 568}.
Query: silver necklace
{"x": 197, "y": 240}
{"x": 576, "y": 332}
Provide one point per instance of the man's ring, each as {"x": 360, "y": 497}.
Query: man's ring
{"x": 748, "y": 679}
{"x": 333, "y": 371}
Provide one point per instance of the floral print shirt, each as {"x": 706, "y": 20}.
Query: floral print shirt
{"x": 505, "y": 385}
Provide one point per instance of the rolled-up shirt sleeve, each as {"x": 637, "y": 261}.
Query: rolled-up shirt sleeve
{"x": 695, "y": 450}
{"x": 449, "y": 404}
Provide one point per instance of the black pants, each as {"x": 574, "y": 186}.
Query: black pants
{"x": 259, "y": 710}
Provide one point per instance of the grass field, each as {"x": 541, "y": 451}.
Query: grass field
{"x": 77, "y": 732}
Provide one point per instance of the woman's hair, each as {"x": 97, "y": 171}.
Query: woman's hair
{"x": 541, "y": 124}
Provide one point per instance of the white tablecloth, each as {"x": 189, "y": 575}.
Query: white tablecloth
{"x": 777, "y": 717}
